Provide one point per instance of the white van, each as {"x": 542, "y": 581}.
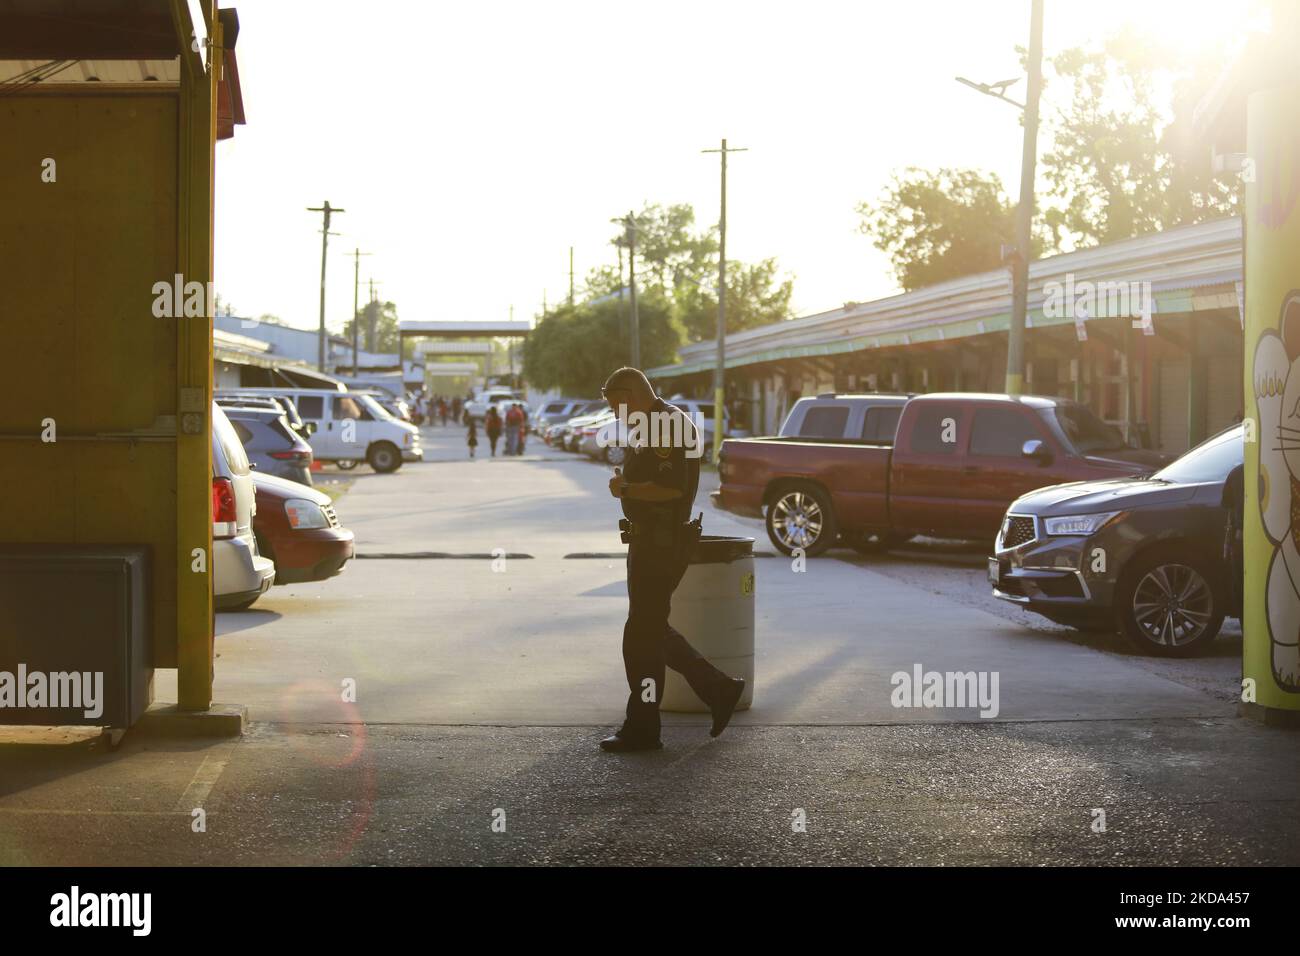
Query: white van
{"x": 352, "y": 426}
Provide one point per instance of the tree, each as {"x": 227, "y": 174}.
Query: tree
{"x": 940, "y": 225}
{"x": 1121, "y": 166}
{"x": 574, "y": 348}
{"x": 680, "y": 264}
{"x": 754, "y": 297}
{"x": 379, "y": 327}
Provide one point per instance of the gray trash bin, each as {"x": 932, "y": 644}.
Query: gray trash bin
{"x": 713, "y": 608}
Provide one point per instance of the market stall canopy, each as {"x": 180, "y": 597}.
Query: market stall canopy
{"x": 56, "y": 43}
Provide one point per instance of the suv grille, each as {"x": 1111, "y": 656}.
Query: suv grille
{"x": 1017, "y": 530}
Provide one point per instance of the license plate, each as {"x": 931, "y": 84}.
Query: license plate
{"x": 995, "y": 571}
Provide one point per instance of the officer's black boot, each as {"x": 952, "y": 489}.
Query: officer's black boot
{"x": 620, "y": 744}
{"x": 724, "y": 703}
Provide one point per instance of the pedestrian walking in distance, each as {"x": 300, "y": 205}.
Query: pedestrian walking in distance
{"x": 657, "y": 488}
{"x": 491, "y": 425}
{"x": 472, "y": 438}
{"x": 512, "y": 429}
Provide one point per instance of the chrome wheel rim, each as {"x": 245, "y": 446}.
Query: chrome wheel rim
{"x": 797, "y": 520}
{"x": 1172, "y": 605}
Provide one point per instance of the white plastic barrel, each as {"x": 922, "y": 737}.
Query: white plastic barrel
{"x": 713, "y": 608}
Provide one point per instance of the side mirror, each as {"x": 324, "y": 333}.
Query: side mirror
{"x": 1037, "y": 451}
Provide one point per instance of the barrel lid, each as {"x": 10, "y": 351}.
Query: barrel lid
{"x": 720, "y": 549}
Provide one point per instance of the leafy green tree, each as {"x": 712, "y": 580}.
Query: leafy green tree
{"x": 1118, "y": 167}
{"x": 940, "y": 225}
{"x": 574, "y": 348}
{"x": 679, "y": 263}
{"x": 379, "y": 327}
{"x": 755, "y": 296}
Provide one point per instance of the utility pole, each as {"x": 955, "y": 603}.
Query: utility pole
{"x": 635, "y": 331}
{"x": 622, "y": 316}
{"x": 719, "y": 369}
{"x": 571, "y": 277}
{"x": 372, "y": 318}
{"x": 1019, "y": 257}
{"x": 327, "y": 209}
{"x": 356, "y": 316}
{"x": 1025, "y": 211}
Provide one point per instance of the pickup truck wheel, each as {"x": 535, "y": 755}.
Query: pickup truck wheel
{"x": 801, "y": 517}
{"x": 1166, "y": 604}
{"x": 346, "y": 464}
{"x": 384, "y": 457}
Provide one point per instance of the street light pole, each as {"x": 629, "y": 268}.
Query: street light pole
{"x": 324, "y": 247}
{"x": 1025, "y": 211}
{"x": 719, "y": 369}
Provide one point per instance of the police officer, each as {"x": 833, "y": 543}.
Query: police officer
{"x": 657, "y": 488}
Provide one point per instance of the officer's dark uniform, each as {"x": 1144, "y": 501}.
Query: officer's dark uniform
{"x": 654, "y": 569}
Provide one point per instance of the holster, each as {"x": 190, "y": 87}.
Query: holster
{"x": 686, "y": 537}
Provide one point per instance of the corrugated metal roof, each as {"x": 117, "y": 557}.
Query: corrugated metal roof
{"x": 98, "y": 71}
{"x": 1175, "y": 262}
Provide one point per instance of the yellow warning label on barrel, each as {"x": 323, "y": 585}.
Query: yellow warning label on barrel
{"x": 747, "y": 583}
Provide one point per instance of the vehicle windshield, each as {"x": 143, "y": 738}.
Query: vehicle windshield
{"x": 1085, "y": 431}
{"x": 374, "y": 407}
{"x": 1209, "y": 461}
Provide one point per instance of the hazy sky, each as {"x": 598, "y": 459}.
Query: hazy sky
{"x": 472, "y": 143}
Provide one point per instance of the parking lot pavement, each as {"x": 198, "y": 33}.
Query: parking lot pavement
{"x": 479, "y": 689}
{"x": 533, "y": 636}
{"x": 1173, "y": 792}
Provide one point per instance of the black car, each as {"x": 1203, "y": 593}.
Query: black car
{"x": 1159, "y": 558}
{"x": 272, "y": 446}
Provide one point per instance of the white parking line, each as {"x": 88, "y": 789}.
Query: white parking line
{"x": 204, "y": 780}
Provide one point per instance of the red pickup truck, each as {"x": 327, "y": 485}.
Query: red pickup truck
{"x": 954, "y": 464}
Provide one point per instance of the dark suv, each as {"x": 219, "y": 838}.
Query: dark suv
{"x": 1159, "y": 558}
{"x": 272, "y": 446}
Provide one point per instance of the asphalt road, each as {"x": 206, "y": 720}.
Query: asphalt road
{"x": 482, "y": 687}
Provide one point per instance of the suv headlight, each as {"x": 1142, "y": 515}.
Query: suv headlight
{"x": 304, "y": 515}
{"x": 1079, "y": 524}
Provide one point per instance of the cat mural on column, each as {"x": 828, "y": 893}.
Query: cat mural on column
{"x": 1271, "y": 223}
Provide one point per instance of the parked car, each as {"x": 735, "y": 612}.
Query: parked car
{"x": 871, "y": 418}
{"x": 352, "y": 426}
{"x": 297, "y": 527}
{"x": 569, "y": 437}
{"x": 1159, "y": 558}
{"x": 477, "y": 407}
{"x": 604, "y": 438}
{"x": 231, "y": 398}
{"x": 701, "y": 412}
{"x": 240, "y": 574}
{"x": 273, "y": 448}
{"x": 560, "y": 410}
{"x": 954, "y": 464}
{"x": 394, "y": 406}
